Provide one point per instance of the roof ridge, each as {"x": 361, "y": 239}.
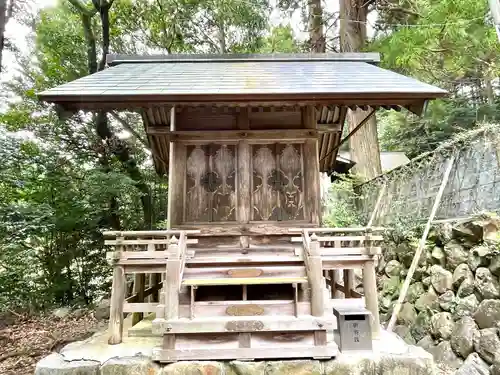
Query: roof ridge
{"x": 368, "y": 57}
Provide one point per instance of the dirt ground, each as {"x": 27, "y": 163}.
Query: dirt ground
{"x": 24, "y": 340}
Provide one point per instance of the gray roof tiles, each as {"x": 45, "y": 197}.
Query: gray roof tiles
{"x": 280, "y": 76}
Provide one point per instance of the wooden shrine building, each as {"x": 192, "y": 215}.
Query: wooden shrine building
{"x": 245, "y": 270}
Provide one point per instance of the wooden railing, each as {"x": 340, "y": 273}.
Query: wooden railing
{"x": 343, "y": 249}
{"x": 143, "y": 253}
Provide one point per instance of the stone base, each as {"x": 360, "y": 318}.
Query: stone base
{"x": 391, "y": 356}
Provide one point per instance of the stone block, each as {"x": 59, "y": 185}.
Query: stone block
{"x": 298, "y": 367}
{"x": 130, "y": 366}
{"x": 54, "y": 364}
{"x": 194, "y": 368}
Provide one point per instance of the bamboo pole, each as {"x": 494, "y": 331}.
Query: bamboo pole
{"x": 421, "y": 245}
{"x": 377, "y": 206}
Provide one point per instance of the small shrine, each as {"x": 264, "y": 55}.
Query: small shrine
{"x": 245, "y": 269}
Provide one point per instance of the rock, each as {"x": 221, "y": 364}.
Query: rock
{"x": 446, "y": 300}
{"x": 415, "y": 361}
{"x": 422, "y": 326}
{"x": 426, "y": 281}
{"x": 419, "y": 273}
{"x": 391, "y": 287}
{"x": 414, "y": 291}
{"x": 442, "y": 325}
{"x": 441, "y": 279}
{"x": 79, "y": 313}
{"x": 61, "y": 312}
{"x": 405, "y": 253}
{"x": 54, "y": 364}
{"x": 393, "y": 268}
{"x": 299, "y": 367}
{"x": 194, "y": 367}
{"x": 474, "y": 260}
{"x": 469, "y": 230}
{"x": 495, "y": 368}
{"x": 466, "y": 288}
{"x": 473, "y": 365}
{"x": 101, "y": 311}
{"x": 462, "y": 337}
{"x": 408, "y": 314}
{"x": 487, "y": 344}
{"x": 381, "y": 263}
{"x": 129, "y": 366}
{"x": 438, "y": 256}
{"x": 426, "y": 342}
{"x": 465, "y": 306}
{"x": 405, "y": 334}
{"x": 444, "y": 233}
{"x": 486, "y": 284}
{"x": 461, "y": 273}
{"x": 444, "y": 354}
{"x": 348, "y": 365}
{"x": 488, "y": 313}
{"x": 495, "y": 265}
{"x": 384, "y": 303}
{"x": 428, "y": 300}
{"x": 455, "y": 254}
{"x": 244, "y": 368}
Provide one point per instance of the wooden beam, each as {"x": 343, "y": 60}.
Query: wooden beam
{"x": 421, "y": 244}
{"x": 232, "y": 135}
{"x": 242, "y": 324}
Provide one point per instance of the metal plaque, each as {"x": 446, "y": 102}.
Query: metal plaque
{"x": 245, "y": 326}
{"x": 244, "y": 310}
{"x": 248, "y": 272}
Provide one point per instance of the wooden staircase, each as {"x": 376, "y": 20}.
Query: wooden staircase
{"x": 243, "y": 328}
{"x": 255, "y": 302}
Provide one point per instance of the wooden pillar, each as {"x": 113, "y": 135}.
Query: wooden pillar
{"x": 371, "y": 299}
{"x": 311, "y": 168}
{"x": 116, "y": 308}
{"x": 243, "y": 211}
{"x": 348, "y": 283}
{"x": 139, "y": 287}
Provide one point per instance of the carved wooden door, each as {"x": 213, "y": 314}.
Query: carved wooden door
{"x": 210, "y": 183}
{"x": 277, "y": 182}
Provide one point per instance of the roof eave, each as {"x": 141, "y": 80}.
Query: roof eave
{"x": 412, "y": 101}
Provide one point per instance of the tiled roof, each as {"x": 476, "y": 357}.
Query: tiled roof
{"x": 239, "y": 76}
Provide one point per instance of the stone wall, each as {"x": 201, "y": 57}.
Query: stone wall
{"x": 452, "y": 308}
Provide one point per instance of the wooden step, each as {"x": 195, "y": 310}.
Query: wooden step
{"x": 245, "y": 281}
{"x": 243, "y": 324}
{"x": 239, "y": 272}
{"x": 244, "y": 259}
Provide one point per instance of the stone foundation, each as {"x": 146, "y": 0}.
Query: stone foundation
{"x": 391, "y": 356}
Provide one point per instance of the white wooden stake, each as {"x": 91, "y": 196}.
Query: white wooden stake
{"x": 421, "y": 245}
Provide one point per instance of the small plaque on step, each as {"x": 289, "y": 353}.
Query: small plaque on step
{"x": 244, "y": 310}
{"x": 247, "y": 272}
{"x": 244, "y": 326}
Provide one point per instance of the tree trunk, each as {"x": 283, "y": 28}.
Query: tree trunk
{"x": 316, "y": 36}
{"x": 3, "y": 21}
{"x": 363, "y": 146}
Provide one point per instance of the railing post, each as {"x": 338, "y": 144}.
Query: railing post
{"x": 117, "y": 299}
{"x": 371, "y": 299}
{"x": 172, "y": 280}
{"x": 315, "y": 270}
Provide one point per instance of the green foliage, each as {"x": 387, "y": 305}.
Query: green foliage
{"x": 340, "y": 204}
{"x": 449, "y": 43}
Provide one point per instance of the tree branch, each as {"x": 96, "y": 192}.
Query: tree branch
{"x": 82, "y": 8}
{"x": 129, "y": 128}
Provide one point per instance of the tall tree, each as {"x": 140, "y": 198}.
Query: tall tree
{"x": 6, "y": 10}
{"x": 111, "y": 141}
{"x": 363, "y": 146}
{"x": 316, "y": 31}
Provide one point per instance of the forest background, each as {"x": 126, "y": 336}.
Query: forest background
{"x": 62, "y": 181}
